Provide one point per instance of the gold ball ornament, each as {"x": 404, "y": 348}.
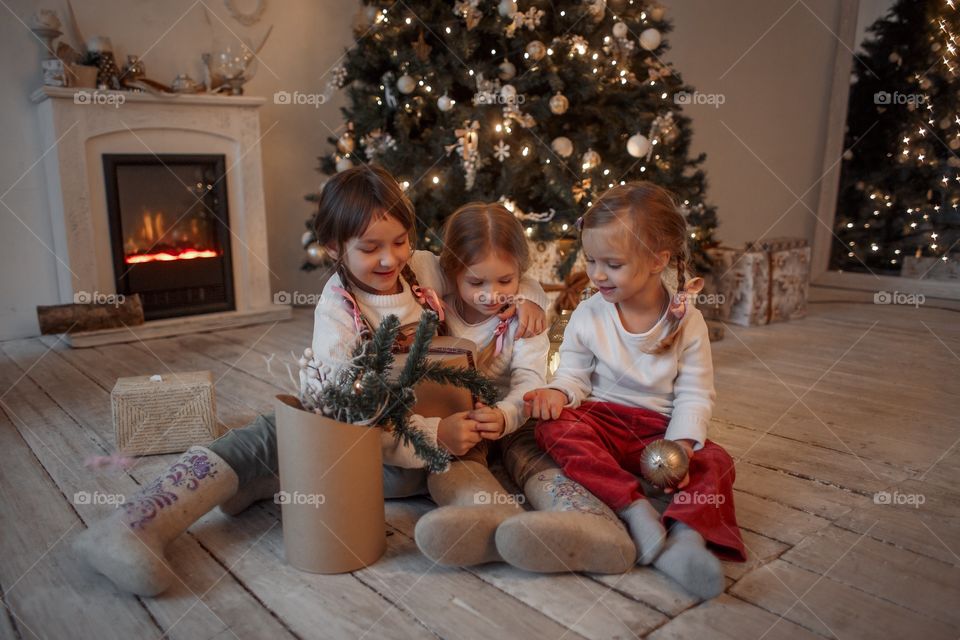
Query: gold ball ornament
{"x": 346, "y": 143}
{"x": 559, "y": 104}
{"x": 664, "y": 464}
{"x": 315, "y": 253}
{"x": 563, "y": 146}
{"x": 536, "y": 50}
{"x": 507, "y": 70}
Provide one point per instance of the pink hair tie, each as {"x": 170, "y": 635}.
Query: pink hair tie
{"x": 499, "y": 333}
{"x": 428, "y": 296}
{"x": 352, "y": 306}
{"x": 678, "y": 303}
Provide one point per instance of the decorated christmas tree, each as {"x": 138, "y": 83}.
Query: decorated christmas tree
{"x": 900, "y": 178}
{"x": 542, "y": 105}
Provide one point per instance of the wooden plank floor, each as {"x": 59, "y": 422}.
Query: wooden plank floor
{"x": 844, "y": 426}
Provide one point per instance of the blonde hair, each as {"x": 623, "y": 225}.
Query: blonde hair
{"x": 473, "y": 232}
{"x": 651, "y": 211}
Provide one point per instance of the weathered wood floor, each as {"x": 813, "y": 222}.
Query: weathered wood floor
{"x": 825, "y": 416}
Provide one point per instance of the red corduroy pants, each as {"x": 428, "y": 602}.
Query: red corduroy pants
{"x": 599, "y": 445}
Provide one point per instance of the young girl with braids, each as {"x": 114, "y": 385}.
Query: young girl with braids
{"x": 484, "y": 256}
{"x": 635, "y": 366}
{"x": 365, "y": 222}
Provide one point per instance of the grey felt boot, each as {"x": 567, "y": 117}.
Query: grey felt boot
{"x": 571, "y": 530}
{"x": 472, "y": 504}
{"x": 128, "y": 546}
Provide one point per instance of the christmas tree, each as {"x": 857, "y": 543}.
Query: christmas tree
{"x": 542, "y": 106}
{"x": 900, "y": 178}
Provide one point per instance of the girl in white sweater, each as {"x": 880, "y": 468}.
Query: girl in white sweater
{"x": 635, "y": 366}
{"x": 484, "y": 256}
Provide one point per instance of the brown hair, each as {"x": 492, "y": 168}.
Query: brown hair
{"x": 473, "y": 232}
{"x": 354, "y": 198}
{"x": 652, "y": 213}
{"x": 349, "y": 202}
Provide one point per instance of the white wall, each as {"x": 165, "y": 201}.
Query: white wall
{"x": 771, "y": 59}
{"x": 308, "y": 37}
{"x": 773, "y": 62}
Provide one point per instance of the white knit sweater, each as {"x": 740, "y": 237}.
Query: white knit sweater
{"x": 602, "y": 361}
{"x": 521, "y": 365}
{"x": 334, "y": 333}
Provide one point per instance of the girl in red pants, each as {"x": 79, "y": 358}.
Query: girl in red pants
{"x": 635, "y": 367}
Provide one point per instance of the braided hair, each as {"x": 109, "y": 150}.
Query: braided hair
{"x": 652, "y": 213}
{"x": 350, "y": 201}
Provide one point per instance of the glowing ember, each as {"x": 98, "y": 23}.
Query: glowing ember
{"x": 163, "y": 256}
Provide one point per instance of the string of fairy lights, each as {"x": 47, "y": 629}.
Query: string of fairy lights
{"x": 927, "y": 130}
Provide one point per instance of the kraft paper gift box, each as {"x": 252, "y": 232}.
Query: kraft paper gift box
{"x": 331, "y": 478}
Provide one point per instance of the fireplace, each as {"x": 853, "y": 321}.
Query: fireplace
{"x": 170, "y": 232}
{"x": 127, "y": 214}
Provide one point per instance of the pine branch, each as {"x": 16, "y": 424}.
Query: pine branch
{"x": 417, "y": 357}
{"x": 471, "y": 379}
{"x": 383, "y": 340}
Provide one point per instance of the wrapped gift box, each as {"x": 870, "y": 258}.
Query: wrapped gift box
{"x": 789, "y": 277}
{"x": 764, "y": 282}
{"x": 164, "y": 414}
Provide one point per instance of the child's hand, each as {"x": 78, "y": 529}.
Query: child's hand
{"x": 491, "y": 422}
{"x": 457, "y": 433}
{"x": 544, "y": 404}
{"x": 531, "y": 319}
{"x": 688, "y": 447}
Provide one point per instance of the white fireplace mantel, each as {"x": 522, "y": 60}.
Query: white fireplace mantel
{"x": 78, "y": 126}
